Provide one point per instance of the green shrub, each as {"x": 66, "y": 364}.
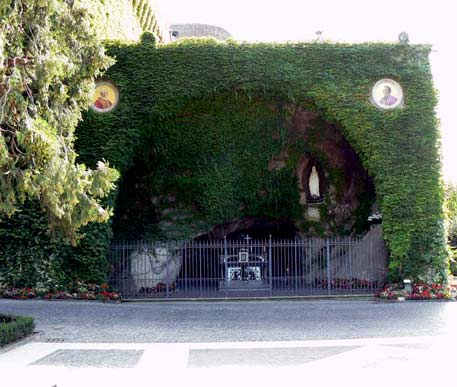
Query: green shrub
{"x": 13, "y": 328}
{"x": 451, "y": 223}
{"x": 29, "y": 257}
{"x": 451, "y": 212}
{"x": 453, "y": 261}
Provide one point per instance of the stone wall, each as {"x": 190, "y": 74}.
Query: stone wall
{"x": 179, "y": 31}
{"x": 365, "y": 260}
{"x": 118, "y": 20}
{"x": 127, "y": 19}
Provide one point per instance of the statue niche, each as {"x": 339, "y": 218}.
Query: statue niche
{"x": 314, "y": 186}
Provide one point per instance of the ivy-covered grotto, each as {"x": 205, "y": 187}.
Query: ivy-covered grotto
{"x": 218, "y": 139}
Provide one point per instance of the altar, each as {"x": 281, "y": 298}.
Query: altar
{"x": 244, "y": 271}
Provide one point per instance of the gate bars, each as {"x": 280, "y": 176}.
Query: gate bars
{"x": 246, "y": 268}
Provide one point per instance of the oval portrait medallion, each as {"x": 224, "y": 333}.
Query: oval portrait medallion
{"x": 106, "y": 97}
{"x": 387, "y": 94}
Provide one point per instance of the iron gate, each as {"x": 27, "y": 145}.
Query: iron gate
{"x": 247, "y": 268}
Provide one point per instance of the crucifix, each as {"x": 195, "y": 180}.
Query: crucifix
{"x": 247, "y": 238}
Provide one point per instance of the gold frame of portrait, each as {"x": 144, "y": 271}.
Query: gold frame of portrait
{"x": 112, "y": 88}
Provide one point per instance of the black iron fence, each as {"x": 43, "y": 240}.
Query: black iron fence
{"x": 260, "y": 268}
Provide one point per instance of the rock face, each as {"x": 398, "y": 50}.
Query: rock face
{"x": 364, "y": 261}
{"x": 342, "y": 179}
{"x": 257, "y": 228}
{"x": 179, "y": 31}
{"x": 153, "y": 267}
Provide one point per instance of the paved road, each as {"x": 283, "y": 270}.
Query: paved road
{"x": 232, "y": 343}
{"x": 234, "y": 321}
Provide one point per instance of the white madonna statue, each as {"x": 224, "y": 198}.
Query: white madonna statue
{"x": 314, "y": 184}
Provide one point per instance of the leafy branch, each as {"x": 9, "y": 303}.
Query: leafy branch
{"x": 49, "y": 56}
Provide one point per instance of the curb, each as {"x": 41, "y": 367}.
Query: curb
{"x": 352, "y": 297}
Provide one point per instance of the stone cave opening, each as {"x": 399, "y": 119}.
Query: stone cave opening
{"x": 331, "y": 189}
{"x": 255, "y": 228}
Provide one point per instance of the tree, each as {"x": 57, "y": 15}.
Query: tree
{"x": 49, "y": 57}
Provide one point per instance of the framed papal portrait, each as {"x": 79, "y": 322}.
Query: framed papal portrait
{"x": 387, "y": 94}
{"x": 106, "y": 97}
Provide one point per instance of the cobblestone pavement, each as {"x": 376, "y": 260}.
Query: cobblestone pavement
{"x": 227, "y": 343}
{"x": 176, "y": 322}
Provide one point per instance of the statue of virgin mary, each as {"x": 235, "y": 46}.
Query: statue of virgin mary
{"x": 314, "y": 183}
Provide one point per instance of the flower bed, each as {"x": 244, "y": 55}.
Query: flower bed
{"x": 13, "y": 328}
{"x": 420, "y": 291}
{"x": 344, "y": 283}
{"x": 75, "y": 290}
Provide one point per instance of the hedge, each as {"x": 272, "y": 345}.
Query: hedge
{"x": 14, "y": 328}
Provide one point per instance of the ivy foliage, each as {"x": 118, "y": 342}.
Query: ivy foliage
{"x": 193, "y": 112}
{"x": 29, "y": 256}
{"x": 451, "y": 212}
{"x": 398, "y": 148}
{"x": 49, "y": 56}
{"x": 451, "y": 222}
{"x": 218, "y": 151}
